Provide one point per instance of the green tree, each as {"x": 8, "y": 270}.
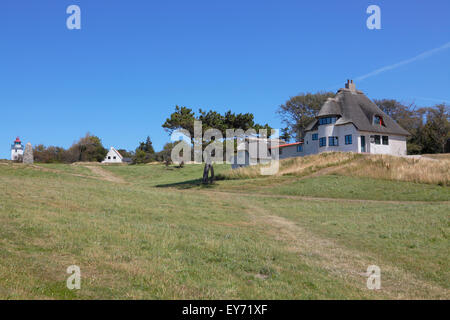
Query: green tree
{"x": 300, "y": 110}
{"x": 145, "y": 152}
{"x": 436, "y": 129}
{"x": 126, "y": 154}
{"x": 406, "y": 116}
{"x": 430, "y": 136}
{"x": 140, "y": 157}
{"x": 183, "y": 118}
{"x": 147, "y": 146}
{"x": 409, "y": 118}
{"x": 165, "y": 153}
{"x": 89, "y": 148}
{"x": 48, "y": 154}
{"x": 285, "y": 134}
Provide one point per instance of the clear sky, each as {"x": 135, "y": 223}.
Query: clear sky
{"x": 122, "y": 74}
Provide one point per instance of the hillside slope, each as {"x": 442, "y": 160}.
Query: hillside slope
{"x": 420, "y": 170}
{"x": 156, "y": 233}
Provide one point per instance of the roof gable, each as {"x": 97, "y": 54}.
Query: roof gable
{"x": 113, "y": 152}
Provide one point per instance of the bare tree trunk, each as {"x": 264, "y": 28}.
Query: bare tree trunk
{"x": 212, "y": 173}
{"x": 205, "y": 174}
{"x": 208, "y": 167}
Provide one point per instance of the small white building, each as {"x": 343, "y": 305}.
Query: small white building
{"x": 113, "y": 156}
{"x": 253, "y": 151}
{"x": 17, "y": 150}
{"x": 350, "y": 122}
{"x": 290, "y": 150}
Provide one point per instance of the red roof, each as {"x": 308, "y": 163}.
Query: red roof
{"x": 17, "y": 140}
{"x": 288, "y": 144}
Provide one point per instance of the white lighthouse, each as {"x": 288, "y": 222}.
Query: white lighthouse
{"x": 17, "y": 150}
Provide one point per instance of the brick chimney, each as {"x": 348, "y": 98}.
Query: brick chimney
{"x": 350, "y": 85}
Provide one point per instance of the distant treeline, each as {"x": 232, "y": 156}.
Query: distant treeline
{"x": 429, "y": 128}
{"x": 90, "y": 149}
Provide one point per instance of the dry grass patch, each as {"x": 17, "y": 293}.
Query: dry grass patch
{"x": 386, "y": 167}
{"x": 299, "y": 166}
{"x": 310, "y": 164}
{"x": 401, "y": 169}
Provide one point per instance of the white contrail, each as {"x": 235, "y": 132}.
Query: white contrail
{"x": 402, "y": 63}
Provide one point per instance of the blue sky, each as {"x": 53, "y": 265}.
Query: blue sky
{"x": 122, "y": 74}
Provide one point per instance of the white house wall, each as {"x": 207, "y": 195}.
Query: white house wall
{"x": 330, "y": 130}
{"x": 396, "y": 146}
{"x": 110, "y": 157}
{"x": 258, "y": 154}
{"x": 310, "y": 146}
{"x": 290, "y": 152}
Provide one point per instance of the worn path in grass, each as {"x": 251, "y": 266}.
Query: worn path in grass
{"x": 105, "y": 175}
{"x": 98, "y": 173}
{"x": 102, "y": 174}
{"x": 343, "y": 262}
{"x": 209, "y": 242}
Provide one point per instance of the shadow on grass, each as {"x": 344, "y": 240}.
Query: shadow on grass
{"x": 189, "y": 184}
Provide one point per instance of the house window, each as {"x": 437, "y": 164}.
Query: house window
{"x": 315, "y": 136}
{"x": 323, "y": 142}
{"x": 327, "y": 120}
{"x": 299, "y": 148}
{"x": 378, "y": 120}
{"x": 109, "y": 157}
{"x": 377, "y": 139}
{"x": 348, "y": 139}
{"x": 114, "y": 157}
{"x": 385, "y": 140}
{"x": 281, "y": 151}
{"x": 333, "y": 141}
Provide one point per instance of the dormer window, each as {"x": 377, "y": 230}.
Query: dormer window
{"x": 378, "y": 120}
{"x": 327, "y": 120}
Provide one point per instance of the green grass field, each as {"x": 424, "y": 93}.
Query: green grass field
{"x": 151, "y": 232}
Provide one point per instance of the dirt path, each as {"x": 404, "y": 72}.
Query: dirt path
{"x": 419, "y": 156}
{"x": 345, "y": 263}
{"x": 99, "y": 173}
{"x": 59, "y": 171}
{"x": 104, "y": 174}
{"x": 336, "y": 258}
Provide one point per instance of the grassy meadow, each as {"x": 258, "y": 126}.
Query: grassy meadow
{"x": 154, "y": 232}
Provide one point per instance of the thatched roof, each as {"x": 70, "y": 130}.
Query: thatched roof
{"x": 352, "y": 106}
